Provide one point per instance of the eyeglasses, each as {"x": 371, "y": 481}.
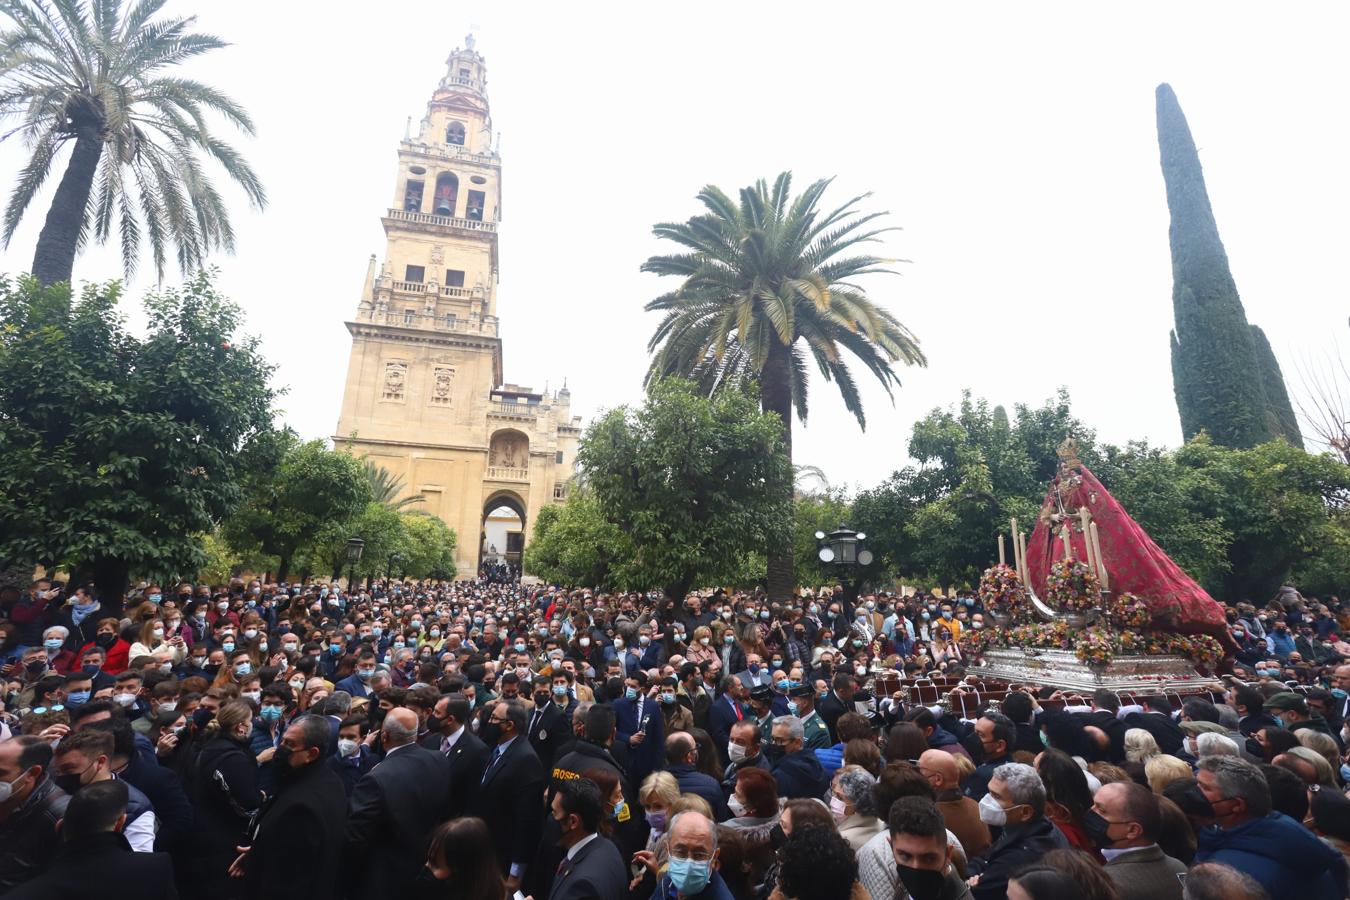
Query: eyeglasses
{"x": 697, "y": 855}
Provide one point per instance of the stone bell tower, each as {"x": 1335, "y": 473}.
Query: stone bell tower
{"x": 425, "y": 396}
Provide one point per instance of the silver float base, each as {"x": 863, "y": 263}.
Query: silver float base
{"x": 1061, "y": 669}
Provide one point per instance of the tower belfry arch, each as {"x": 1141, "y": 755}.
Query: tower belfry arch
{"x": 425, "y": 395}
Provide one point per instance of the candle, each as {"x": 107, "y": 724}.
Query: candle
{"x": 1026, "y": 569}
{"x": 1085, "y": 518}
{"x": 1017, "y": 549}
{"x": 1002, "y": 561}
{"x": 1068, "y": 549}
{"x": 1101, "y": 560}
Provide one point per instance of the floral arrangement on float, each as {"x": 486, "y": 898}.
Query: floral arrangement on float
{"x": 1004, "y": 596}
{"x": 1129, "y": 611}
{"x": 1072, "y": 587}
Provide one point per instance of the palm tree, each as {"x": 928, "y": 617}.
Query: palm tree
{"x": 95, "y": 74}
{"x": 766, "y": 290}
{"x": 385, "y": 488}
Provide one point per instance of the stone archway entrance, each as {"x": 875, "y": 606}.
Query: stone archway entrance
{"x": 501, "y": 535}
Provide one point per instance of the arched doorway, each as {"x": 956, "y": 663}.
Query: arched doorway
{"x": 501, "y": 539}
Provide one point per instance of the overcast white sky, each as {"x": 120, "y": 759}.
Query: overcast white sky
{"x": 1013, "y": 142}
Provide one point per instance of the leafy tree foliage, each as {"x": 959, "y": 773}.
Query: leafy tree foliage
{"x": 385, "y": 487}
{"x": 768, "y": 288}
{"x": 687, "y": 480}
{"x": 117, "y": 451}
{"x": 431, "y": 547}
{"x": 98, "y": 75}
{"x": 575, "y": 545}
{"x": 1226, "y": 379}
{"x": 293, "y": 491}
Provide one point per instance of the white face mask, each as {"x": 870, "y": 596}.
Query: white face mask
{"x": 991, "y": 812}
{"x": 124, "y": 699}
{"x": 255, "y": 696}
{"x": 735, "y": 805}
{"x": 348, "y": 747}
{"x": 735, "y": 751}
{"x": 297, "y": 684}
{"x": 585, "y": 642}
{"x": 7, "y": 788}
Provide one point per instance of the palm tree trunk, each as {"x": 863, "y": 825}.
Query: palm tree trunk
{"x": 54, "y": 259}
{"x": 775, "y": 395}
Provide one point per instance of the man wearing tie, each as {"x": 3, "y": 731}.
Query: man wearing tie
{"x": 593, "y": 868}
{"x": 467, "y": 754}
{"x": 549, "y": 724}
{"x": 726, "y": 711}
{"x": 510, "y": 794}
{"x": 640, "y": 725}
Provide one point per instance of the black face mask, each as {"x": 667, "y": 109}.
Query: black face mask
{"x": 777, "y": 838}
{"x": 922, "y": 884}
{"x": 35, "y": 667}
{"x": 434, "y": 724}
{"x": 1096, "y": 827}
{"x": 68, "y": 783}
{"x": 774, "y": 752}
{"x": 105, "y": 640}
{"x": 211, "y": 669}
{"x": 490, "y": 733}
{"x": 201, "y": 716}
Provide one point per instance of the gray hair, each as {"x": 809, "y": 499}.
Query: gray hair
{"x": 517, "y": 715}
{"x": 1216, "y": 881}
{"x": 58, "y": 629}
{"x": 857, "y": 784}
{"x": 1210, "y": 744}
{"x": 1140, "y": 745}
{"x": 397, "y": 732}
{"x": 1326, "y": 776}
{"x": 1238, "y": 778}
{"x": 1228, "y": 717}
{"x": 793, "y": 725}
{"x": 712, "y": 826}
{"x": 579, "y": 714}
{"x": 338, "y": 703}
{"x": 1024, "y": 785}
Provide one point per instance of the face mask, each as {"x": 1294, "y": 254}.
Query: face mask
{"x": 735, "y": 805}
{"x": 223, "y": 607}
{"x": 365, "y": 674}
{"x": 1239, "y": 633}
{"x": 228, "y": 646}
{"x": 124, "y": 699}
{"x": 656, "y": 820}
{"x": 793, "y": 708}
{"x": 630, "y": 693}
{"x": 838, "y": 809}
{"x": 667, "y": 698}
{"x": 764, "y": 614}
{"x": 560, "y": 690}
{"x": 754, "y": 668}
{"x": 977, "y": 625}
{"x": 585, "y": 642}
{"x": 199, "y": 662}
{"x": 435, "y": 632}
{"x": 688, "y": 876}
{"x": 644, "y": 640}
{"x": 6, "y": 789}
{"x": 105, "y": 640}
{"x": 290, "y": 647}
{"x": 35, "y": 667}
{"x": 991, "y": 813}
{"x": 1096, "y": 828}
{"x": 922, "y": 884}
{"x": 728, "y": 638}
{"x": 55, "y": 643}
{"x": 735, "y": 751}
{"x": 270, "y": 713}
{"x": 243, "y": 669}
{"x": 926, "y": 616}
{"x": 348, "y": 747}
{"x": 1267, "y": 673}
{"x": 77, "y": 698}
{"x": 250, "y": 633}
{"x": 618, "y": 643}
{"x": 155, "y": 598}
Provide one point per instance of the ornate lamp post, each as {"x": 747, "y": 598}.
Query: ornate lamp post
{"x": 355, "y": 547}
{"x": 844, "y": 547}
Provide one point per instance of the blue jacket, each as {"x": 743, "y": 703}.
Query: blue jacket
{"x": 1280, "y": 643}
{"x": 692, "y": 781}
{"x": 801, "y": 775}
{"x": 1288, "y": 859}
{"x": 352, "y": 685}
{"x": 716, "y": 890}
{"x": 831, "y": 759}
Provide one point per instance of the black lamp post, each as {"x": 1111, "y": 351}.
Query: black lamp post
{"x": 844, "y": 547}
{"x": 355, "y": 546}
{"x": 393, "y": 558}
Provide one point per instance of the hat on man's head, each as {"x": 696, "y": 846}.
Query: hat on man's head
{"x": 801, "y": 690}
{"x": 761, "y": 692}
{"x": 1287, "y": 701}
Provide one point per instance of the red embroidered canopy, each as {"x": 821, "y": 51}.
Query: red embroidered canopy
{"x": 1134, "y": 564}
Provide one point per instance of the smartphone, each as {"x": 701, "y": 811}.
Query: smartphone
{"x": 517, "y": 896}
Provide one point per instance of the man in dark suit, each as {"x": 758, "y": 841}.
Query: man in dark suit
{"x": 1157, "y": 721}
{"x": 548, "y": 726}
{"x": 393, "y": 810}
{"x": 95, "y": 860}
{"x": 837, "y": 702}
{"x": 681, "y": 754}
{"x": 467, "y": 754}
{"x": 303, "y": 820}
{"x": 727, "y": 710}
{"x": 593, "y": 868}
{"x": 509, "y": 797}
{"x": 640, "y": 726}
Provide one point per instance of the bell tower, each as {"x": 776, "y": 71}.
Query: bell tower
{"x": 425, "y": 396}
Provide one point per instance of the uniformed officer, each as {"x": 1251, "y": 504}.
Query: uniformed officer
{"x": 815, "y": 733}
{"x": 761, "y": 703}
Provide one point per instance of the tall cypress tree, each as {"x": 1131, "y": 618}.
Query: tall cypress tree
{"x": 1216, "y": 368}
{"x": 1280, "y": 418}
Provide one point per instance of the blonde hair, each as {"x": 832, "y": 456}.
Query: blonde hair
{"x": 1140, "y": 745}
{"x": 660, "y": 786}
{"x": 1162, "y": 770}
{"x": 964, "y": 767}
{"x": 1321, "y": 743}
{"x": 689, "y": 803}
{"x": 148, "y": 632}
{"x": 228, "y": 717}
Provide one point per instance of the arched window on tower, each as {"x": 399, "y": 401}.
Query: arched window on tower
{"x": 447, "y": 192}
{"x": 412, "y": 197}
{"x": 454, "y": 133}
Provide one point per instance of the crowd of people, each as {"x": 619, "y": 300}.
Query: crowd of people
{"x": 481, "y": 738}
